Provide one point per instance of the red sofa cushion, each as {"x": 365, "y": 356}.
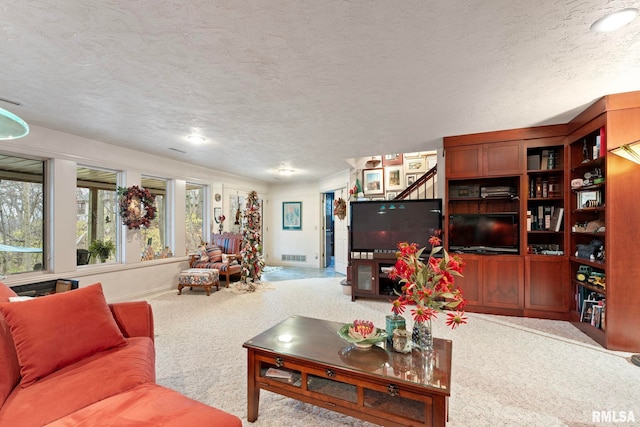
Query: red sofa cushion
{"x": 77, "y": 386}
{"x": 149, "y": 405}
{"x": 54, "y": 331}
{"x": 9, "y": 367}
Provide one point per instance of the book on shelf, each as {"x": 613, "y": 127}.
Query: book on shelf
{"x": 278, "y": 373}
{"x": 544, "y": 160}
{"x": 603, "y": 142}
{"x": 533, "y": 162}
{"x": 551, "y": 164}
{"x": 556, "y": 219}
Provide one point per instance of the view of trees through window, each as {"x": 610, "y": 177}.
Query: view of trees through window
{"x": 21, "y": 215}
{"x": 194, "y": 216}
{"x": 96, "y": 216}
{"x": 155, "y": 235}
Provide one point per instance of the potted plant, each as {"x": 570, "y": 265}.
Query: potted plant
{"x": 101, "y": 249}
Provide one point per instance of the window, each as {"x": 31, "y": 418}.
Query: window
{"x": 21, "y": 215}
{"x": 194, "y": 216}
{"x": 155, "y": 237}
{"x": 96, "y": 224}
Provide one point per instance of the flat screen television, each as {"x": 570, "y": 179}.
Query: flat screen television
{"x": 378, "y": 226}
{"x": 484, "y": 233}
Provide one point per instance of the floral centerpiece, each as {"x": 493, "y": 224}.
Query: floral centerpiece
{"x": 428, "y": 287}
{"x": 220, "y": 219}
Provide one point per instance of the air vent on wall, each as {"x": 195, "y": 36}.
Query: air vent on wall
{"x": 298, "y": 258}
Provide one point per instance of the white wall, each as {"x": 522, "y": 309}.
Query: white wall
{"x": 131, "y": 278}
{"x": 293, "y": 242}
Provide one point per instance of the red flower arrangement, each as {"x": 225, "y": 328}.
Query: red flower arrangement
{"x": 428, "y": 286}
{"x": 137, "y": 206}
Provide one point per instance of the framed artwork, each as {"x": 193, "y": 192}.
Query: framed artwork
{"x": 416, "y": 165}
{"x": 391, "y": 159}
{"x": 588, "y": 199}
{"x": 391, "y": 195}
{"x": 588, "y": 306}
{"x": 411, "y": 178}
{"x": 292, "y": 215}
{"x": 373, "y": 180}
{"x": 235, "y": 213}
{"x": 395, "y": 178}
{"x": 413, "y": 155}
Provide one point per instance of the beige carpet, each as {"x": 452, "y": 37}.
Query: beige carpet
{"x": 506, "y": 371}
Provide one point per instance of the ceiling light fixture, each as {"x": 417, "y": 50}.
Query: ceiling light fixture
{"x": 286, "y": 171}
{"x": 630, "y": 151}
{"x": 614, "y": 21}
{"x": 12, "y": 126}
{"x": 196, "y": 139}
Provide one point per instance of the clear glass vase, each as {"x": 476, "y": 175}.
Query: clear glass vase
{"x": 421, "y": 336}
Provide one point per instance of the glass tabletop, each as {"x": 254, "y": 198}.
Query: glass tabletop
{"x": 318, "y": 340}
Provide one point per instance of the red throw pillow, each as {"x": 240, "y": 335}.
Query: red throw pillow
{"x": 54, "y": 331}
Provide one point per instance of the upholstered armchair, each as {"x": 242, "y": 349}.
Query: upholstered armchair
{"x": 223, "y": 255}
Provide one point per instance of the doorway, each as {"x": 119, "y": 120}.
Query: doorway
{"x": 329, "y": 236}
{"x": 334, "y": 235}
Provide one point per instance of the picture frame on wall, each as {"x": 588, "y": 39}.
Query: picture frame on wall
{"x": 394, "y": 178}
{"x": 411, "y": 178}
{"x": 373, "y": 181}
{"x": 292, "y": 215}
{"x": 391, "y": 195}
{"x": 392, "y": 159}
{"x": 416, "y": 165}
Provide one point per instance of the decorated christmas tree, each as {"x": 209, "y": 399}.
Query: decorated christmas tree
{"x": 252, "y": 262}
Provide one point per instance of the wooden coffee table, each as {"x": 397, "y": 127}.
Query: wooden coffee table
{"x": 305, "y": 359}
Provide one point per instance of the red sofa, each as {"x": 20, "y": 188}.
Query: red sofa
{"x": 71, "y": 359}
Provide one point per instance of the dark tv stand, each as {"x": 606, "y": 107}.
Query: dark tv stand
{"x": 370, "y": 278}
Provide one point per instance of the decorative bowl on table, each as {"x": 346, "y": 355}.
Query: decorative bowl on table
{"x": 361, "y": 333}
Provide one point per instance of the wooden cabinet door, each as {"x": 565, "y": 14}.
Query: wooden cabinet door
{"x": 464, "y": 161}
{"x": 471, "y": 282}
{"x": 545, "y": 283}
{"x": 364, "y": 280}
{"x": 503, "y": 159}
{"x": 503, "y": 278}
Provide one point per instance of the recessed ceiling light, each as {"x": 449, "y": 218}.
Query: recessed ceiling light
{"x": 196, "y": 139}
{"x": 614, "y": 21}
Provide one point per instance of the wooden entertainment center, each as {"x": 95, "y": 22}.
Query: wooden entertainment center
{"x": 545, "y": 278}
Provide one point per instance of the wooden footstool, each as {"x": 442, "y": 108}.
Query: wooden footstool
{"x": 199, "y": 278}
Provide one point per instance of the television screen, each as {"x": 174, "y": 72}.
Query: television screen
{"x": 488, "y": 232}
{"x": 381, "y": 225}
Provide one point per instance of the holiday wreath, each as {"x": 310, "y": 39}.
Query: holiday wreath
{"x": 340, "y": 208}
{"x": 137, "y": 207}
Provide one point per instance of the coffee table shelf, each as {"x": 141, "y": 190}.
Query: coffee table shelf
{"x": 376, "y": 385}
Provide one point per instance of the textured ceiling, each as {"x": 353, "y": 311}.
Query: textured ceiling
{"x": 305, "y": 83}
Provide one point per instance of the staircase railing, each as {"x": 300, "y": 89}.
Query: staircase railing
{"x": 423, "y": 188}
